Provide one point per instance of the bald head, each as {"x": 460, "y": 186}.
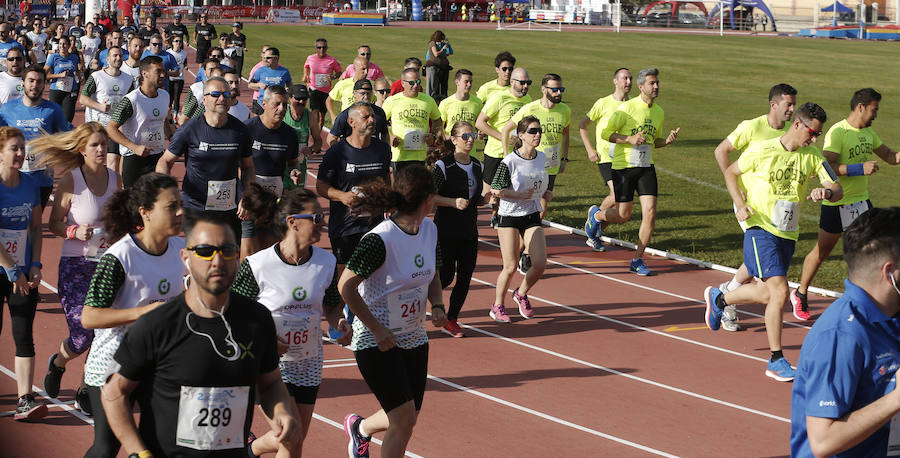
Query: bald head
{"x": 519, "y": 82}
{"x": 520, "y": 73}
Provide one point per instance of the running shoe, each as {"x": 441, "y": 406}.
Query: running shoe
{"x": 730, "y": 319}
{"x": 83, "y": 401}
{"x": 591, "y": 225}
{"x": 780, "y": 370}
{"x": 498, "y": 313}
{"x": 638, "y": 267}
{"x": 495, "y": 221}
{"x": 53, "y": 377}
{"x": 524, "y": 263}
{"x": 334, "y": 334}
{"x": 358, "y": 446}
{"x": 28, "y": 409}
{"x": 713, "y": 315}
{"x": 800, "y": 306}
{"x": 524, "y": 304}
{"x": 452, "y": 328}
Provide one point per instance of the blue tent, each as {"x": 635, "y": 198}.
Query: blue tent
{"x": 748, "y": 4}
{"x": 841, "y": 8}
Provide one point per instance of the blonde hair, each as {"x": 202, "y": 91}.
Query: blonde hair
{"x": 64, "y": 149}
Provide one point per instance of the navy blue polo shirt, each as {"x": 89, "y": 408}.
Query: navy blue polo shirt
{"x": 847, "y": 361}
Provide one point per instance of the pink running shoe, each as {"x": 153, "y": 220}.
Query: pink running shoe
{"x": 799, "y": 304}
{"x": 498, "y": 313}
{"x": 523, "y": 303}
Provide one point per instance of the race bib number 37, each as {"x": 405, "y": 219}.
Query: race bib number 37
{"x": 212, "y": 418}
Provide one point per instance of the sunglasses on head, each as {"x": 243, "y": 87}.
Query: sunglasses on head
{"x": 534, "y": 130}
{"x": 468, "y": 136}
{"x": 217, "y": 94}
{"x": 315, "y": 217}
{"x": 207, "y": 252}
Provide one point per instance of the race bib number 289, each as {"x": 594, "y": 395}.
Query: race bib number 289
{"x": 212, "y": 418}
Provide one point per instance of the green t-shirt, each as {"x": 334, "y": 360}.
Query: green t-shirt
{"x": 410, "y": 118}
{"x": 854, "y": 146}
{"x": 631, "y": 117}
{"x": 342, "y": 92}
{"x": 490, "y": 88}
{"x": 775, "y": 182}
{"x": 454, "y": 110}
{"x": 301, "y": 127}
{"x": 553, "y": 122}
{"x": 754, "y": 130}
{"x": 599, "y": 114}
{"x": 499, "y": 109}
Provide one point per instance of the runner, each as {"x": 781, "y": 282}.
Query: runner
{"x": 177, "y": 30}
{"x": 382, "y": 90}
{"x": 271, "y": 75}
{"x": 298, "y": 118}
{"x": 89, "y": 44}
{"x": 504, "y": 63}
{"x": 520, "y": 183}
{"x": 782, "y": 99}
{"x": 373, "y": 71}
{"x": 169, "y": 63}
{"x": 270, "y": 277}
{"x": 190, "y": 352}
{"x": 76, "y": 30}
{"x": 635, "y": 127}
{"x": 11, "y": 86}
{"x": 497, "y": 111}
{"x": 38, "y": 42}
{"x": 132, "y": 63}
{"x": 20, "y": 228}
{"x": 275, "y": 150}
{"x": 343, "y": 91}
{"x": 63, "y": 68}
{"x": 7, "y": 42}
{"x": 128, "y": 26}
{"x": 457, "y": 179}
{"x": 147, "y": 31}
{"x": 115, "y": 39}
{"x": 773, "y": 175}
{"x": 461, "y": 106}
{"x": 215, "y": 147}
{"x": 415, "y": 123}
{"x": 139, "y": 272}
{"x": 204, "y": 32}
{"x": 319, "y": 70}
{"x": 387, "y": 283}
{"x": 600, "y": 113}
{"x": 176, "y": 82}
{"x": 239, "y": 46}
{"x": 35, "y": 117}
{"x": 238, "y": 109}
{"x": 411, "y": 62}
{"x": 849, "y": 148}
{"x": 192, "y": 105}
{"x": 261, "y": 63}
{"x": 362, "y": 92}
{"x": 80, "y": 197}
{"x": 138, "y": 123}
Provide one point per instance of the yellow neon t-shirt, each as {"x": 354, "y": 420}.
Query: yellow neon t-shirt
{"x": 454, "y": 110}
{"x": 775, "y": 182}
{"x": 488, "y": 89}
{"x": 553, "y": 121}
{"x": 343, "y": 92}
{"x": 599, "y": 114}
{"x": 631, "y": 117}
{"x": 754, "y": 130}
{"x": 409, "y": 117}
{"x": 854, "y": 146}
{"x": 499, "y": 109}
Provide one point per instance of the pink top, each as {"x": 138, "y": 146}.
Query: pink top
{"x": 86, "y": 208}
{"x": 320, "y": 71}
{"x": 373, "y": 74}
{"x": 261, "y": 63}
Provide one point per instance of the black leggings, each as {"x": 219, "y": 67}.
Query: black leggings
{"x": 106, "y": 445}
{"x": 66, "y": 100}
{"x": 458, "y": 258}
{"x": 21, "y": 310}
{"x": 175, "y": 89}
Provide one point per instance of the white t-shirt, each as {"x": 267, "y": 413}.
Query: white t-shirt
{"x": 135, "y": 72}
{"x": 11, "y": 87}
{"x": 240, "y": 111}
{"x": 525, "y": 174}
{"x": 89, "y": 47}
{"x": 145, "y": 127}
{"x": 181, "y": 59}
{"x": 39, "y": 43}
{"x": 110, "y": 89}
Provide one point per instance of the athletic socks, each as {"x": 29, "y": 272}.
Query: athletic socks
{"x": 733, "y": 285}
{"x": 776, "y": 355}
{"x": 359, "y": 430}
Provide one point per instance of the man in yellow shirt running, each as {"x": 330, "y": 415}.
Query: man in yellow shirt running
{"x": 415, "y": 122}
{"x": 768, "y": 184}
{"x": 602, "y": 155}
{"x": 849, "y": 147}
{"x": 504, "y": 63}
{"x": 342, "y": 91}
{"x": 782, "y": 100}
{"x": 461, "y": 106}
{"x": 635, "y": 128}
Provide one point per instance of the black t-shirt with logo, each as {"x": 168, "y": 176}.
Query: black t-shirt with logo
{"x": 205, "y": 33}
{"x": 345, "y": 167}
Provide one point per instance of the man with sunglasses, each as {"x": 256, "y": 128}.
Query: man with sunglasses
{"x": 273, "y": 74}
{"x": 298, "y": 118}
{"x": 635, "y": 128}
{"x": 7, "y": 42}
{"x": 497, "y": 111}
{"x": 415, "y": 122}
{"x": 158, "y": 49}
{"x": 139, "y": 125}
{"x": 204, "y": 32}
{"x": 504, "y": 63}
{"x": 217, "y": 54}
{"x": 774, "y": 175}
{"x": 373, "y": 71}
{"x": 101, "y": 95}
{"x": 461, "y": 106}
{"x": 340, "y": 128}
{"x": 193, "y": 103}
{"x": 343, "y": 93}
{"x": 177, "y": 30}
{"x": 411, "y": 62}
{"x": 11, "y": 86}
{"x": 215, "y": 147}
{"x": 206, "y": 356}
{"x": 319, "y": 70}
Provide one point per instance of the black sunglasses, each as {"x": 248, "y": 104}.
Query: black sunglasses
{"x": 383, "y": 91}
{"x": 413, "y": 82}
{"x": 534, "y": 130}
{"x": 524, "y": 82}
{"x": 468, "y": 136}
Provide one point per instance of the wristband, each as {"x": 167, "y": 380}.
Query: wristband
{"x": 70, "y": 232}
{"x": 12, "y": 274}
{"x": 855, "y": 170}
{"x": 145, "y": 454}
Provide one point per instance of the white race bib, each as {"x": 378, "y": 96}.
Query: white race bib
{"x": 786, "y": 215}
{"x": 220, "y": 195}
{"x": 97, "y": 245}
{"x": 640, "y": 155}
{"x": 31, "y": 161}
{"x": 212, "y": 418}
{"x": 322, "y": 80}
{"x": 65, "y": 83}
{"x": 407, "y": 310}
{"x": 301, "y": 333}
{"x": 272, "y": 184}
{"x": 850, "y": 212}
{"x": 14, "y": 243}
{"x": 153, "y": 139}
{"x": 414, "y": 140}
{"x": 552, "y": 153}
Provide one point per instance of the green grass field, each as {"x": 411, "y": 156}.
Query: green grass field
{"x": 708, "y": 85}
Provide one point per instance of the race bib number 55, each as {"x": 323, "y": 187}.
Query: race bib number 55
{"x": 212, "y": 418}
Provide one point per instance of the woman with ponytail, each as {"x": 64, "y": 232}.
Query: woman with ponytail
{"x": 139, "y": 272}
{"x": 389, "y": 278}
{"x": 457, "y": 178}
{"x": 80, "y": 197}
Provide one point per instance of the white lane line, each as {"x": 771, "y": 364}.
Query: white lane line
{"x": 329, "y": 366}
{"x": 53, "y": 401}
{"x": 340, "y": 426}
{"x": 339, "y": 360}
{"x": 550, "y": 417}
